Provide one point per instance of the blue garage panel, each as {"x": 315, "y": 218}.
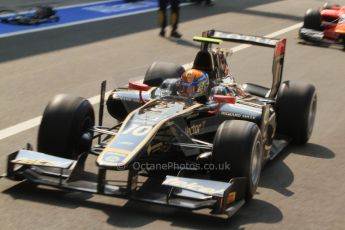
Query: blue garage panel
{"x": 74, "y": 15}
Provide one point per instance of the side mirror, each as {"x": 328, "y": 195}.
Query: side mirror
{"x": 138, "y": 86}
{"x": 224, "y": 99}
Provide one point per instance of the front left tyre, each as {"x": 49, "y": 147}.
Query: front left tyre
{"x": 65, "y": 129}
{"x": 160, "y": 71}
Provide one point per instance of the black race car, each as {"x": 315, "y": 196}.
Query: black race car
{"x": 191, "y": 153}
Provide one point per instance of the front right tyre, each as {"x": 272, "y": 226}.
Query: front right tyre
{"x": 239, "y": 144}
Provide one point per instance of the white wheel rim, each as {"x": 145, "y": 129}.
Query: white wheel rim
{"x": 256, "y": 163}
{"x": 311, "y": 115}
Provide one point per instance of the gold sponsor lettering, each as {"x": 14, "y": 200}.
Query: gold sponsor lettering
{"x": 195, "y": 129}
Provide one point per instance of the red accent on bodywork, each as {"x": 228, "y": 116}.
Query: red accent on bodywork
{"x": 221, "y": 99}
{"x": 329, "y": 32}
{"x": 334, "y": 13}
{"x": 138, "y": 86}
{"x": 141, "y": 87}
{"x": 280, "y": 48}
{"x": 224, "y": 99}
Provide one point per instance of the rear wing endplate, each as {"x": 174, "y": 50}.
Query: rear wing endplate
{"x": 279, "y": 46}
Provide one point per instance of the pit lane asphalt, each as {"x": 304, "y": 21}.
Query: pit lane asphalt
{"x": 302, "y": 189}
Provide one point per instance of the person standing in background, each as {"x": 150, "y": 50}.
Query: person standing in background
{"x": 174, "y": 18}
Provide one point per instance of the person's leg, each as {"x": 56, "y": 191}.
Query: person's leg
{"x": 162, "y": 16}
{"x": 175, "y": 11}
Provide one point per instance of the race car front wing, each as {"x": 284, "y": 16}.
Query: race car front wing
{"x": 186, "y": 190}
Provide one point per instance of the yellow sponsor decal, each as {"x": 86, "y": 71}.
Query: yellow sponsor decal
{"x": 205, "y": 39}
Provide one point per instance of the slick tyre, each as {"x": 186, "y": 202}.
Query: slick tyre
{"x": 239, "y": 144}
{"x": 296, "y": 110}
{"x": 312, "y": 20}
{"x": 65, "y": 127}
{"x": 118, "y": 108}
{"x": 159, "y": 71}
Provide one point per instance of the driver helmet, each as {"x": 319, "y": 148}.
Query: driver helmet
{"x": 194, "y": 83}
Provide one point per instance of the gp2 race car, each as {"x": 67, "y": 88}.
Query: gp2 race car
{"x": 188, "y": 152}
{"x": 324, "y": 26}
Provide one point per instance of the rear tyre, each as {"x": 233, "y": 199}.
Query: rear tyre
{"x": 239, "y": 144}
{"x": 296, "y": 110}
{"x": 312, "y": 20}
{"x": 118, "y": 108}
{"x": 159, "y": 71}
{"x": 65, "y": 127}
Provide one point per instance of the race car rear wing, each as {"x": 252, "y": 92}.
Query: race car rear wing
{"x": 279, "y": 46}
{"x": 241, "y": 38}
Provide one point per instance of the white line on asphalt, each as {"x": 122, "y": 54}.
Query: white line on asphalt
{"x": 272, "y": 35}
{"x": 86, "y": 4}
{"x": 26, "y": 125}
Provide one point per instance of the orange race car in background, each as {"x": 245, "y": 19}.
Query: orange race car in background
{"x": 325, "y": 25}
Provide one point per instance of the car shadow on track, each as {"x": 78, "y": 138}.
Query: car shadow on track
{"x": 184, "y": 42}
{"x": 322, "y": 45}
{"x": 136, "y": 214}
{"x": 276, "y": 175}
